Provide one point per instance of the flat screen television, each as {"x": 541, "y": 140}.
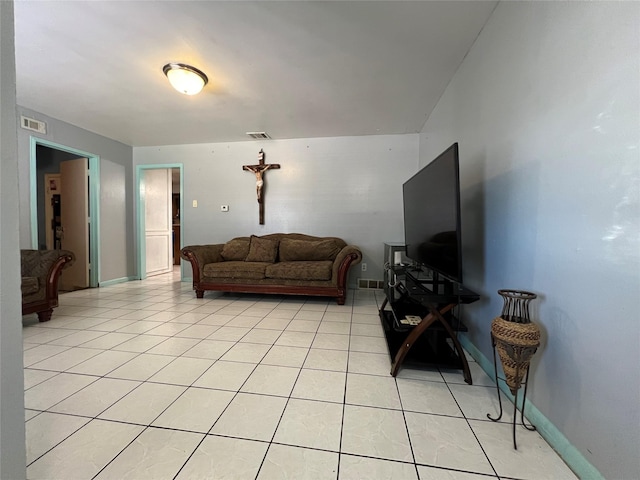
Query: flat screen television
{"x": 432, "y": 216}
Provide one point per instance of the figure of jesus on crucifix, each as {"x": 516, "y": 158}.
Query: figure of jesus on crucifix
{"x": 259, "y": 170}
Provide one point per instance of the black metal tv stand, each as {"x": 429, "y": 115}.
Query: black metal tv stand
{"x": 429, "y": 301}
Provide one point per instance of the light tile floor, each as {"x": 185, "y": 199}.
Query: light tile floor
{"x": 143, "y": 380}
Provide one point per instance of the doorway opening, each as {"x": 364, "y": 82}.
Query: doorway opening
{"x": 66, "y": 218}
{"x": 159, "y": 213}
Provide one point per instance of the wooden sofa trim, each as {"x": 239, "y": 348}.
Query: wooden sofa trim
{"x": 44, "y": 308}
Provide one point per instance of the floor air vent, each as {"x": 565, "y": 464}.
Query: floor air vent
{"x": 366, "y": 283}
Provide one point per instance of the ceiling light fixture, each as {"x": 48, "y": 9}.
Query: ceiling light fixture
{"x": 185, "y": 78}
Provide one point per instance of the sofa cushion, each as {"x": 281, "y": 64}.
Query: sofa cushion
{"x": 262, "y": 250}
{"x": 235, "y": 269}
{"x": 312, "y": 250}
{"x": 29, "y": 285}
{"x": 236, "y": 249}
{"x": 320, "y": 270}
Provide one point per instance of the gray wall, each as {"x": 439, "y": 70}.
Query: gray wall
{"x": 117, "y": 250}
{"x": 348, "y": 187}
{"x": 116, "y": 190}
{"x": 12, "y": 438}
{"x": 546, "y": 110}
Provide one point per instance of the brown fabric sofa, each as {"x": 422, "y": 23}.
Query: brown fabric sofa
{"x": 280, "y": 263}
{"x": 40, "y": 271}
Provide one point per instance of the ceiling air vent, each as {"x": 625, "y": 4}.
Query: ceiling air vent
{"x": 32, "y": 124}
{"x": 259, "y": 135}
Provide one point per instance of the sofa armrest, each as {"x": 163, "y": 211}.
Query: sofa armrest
{"x": 46, "y": 266}
{"x": 199, "y": 256}
{"x": 349, "y": 255}
{"x": 65, "y": 260}
{"x": 39, "y": 263}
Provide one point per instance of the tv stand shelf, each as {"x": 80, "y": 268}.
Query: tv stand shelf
{"x": 431, "y": 349}
{"x": 433, "y": 340}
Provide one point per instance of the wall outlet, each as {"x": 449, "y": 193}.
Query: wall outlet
{"x": 364, "y": 267}
{"x": 195, "y": 204}
{"x": 224, "y": 208}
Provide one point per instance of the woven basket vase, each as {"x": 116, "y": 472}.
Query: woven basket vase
{"x": 516, "y": 343}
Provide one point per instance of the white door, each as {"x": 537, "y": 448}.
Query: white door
{"x": 157, "y": 220}
{"x": 74, "y": 218}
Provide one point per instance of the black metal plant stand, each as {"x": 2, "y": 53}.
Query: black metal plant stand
{"x": 531, "y": 428}
{"x": 516, "y": 338}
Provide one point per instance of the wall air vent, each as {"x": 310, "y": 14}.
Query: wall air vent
{"x": 259, "y": 135}
{"x": 33, "y": 125}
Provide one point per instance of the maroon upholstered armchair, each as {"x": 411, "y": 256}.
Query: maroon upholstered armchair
{"x": 40, "y": 271}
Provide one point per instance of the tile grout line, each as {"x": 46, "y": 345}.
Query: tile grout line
{"x": 472, "y": 430}
{"x": 232, "y": 399}
{"x": 287, "y": 401}
{"x": 176, "y": 296}
{"x": 160, "y": 414}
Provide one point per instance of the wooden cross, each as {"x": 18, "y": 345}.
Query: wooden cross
{"x": 258, "y": 170}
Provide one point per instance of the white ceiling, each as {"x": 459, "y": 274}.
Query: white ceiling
{"x": 293, "y": 69}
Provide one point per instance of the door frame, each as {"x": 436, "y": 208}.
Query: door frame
{"x": 140, "y": 221}
{"x": 94, "y": 201}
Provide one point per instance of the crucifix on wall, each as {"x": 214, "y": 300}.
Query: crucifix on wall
{"x": 259, "y": 170}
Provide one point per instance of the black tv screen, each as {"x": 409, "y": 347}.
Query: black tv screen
{"x": 432, "y": 215}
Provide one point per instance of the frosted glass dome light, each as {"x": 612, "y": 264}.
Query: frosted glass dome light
{"x": 185, "y": 78}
